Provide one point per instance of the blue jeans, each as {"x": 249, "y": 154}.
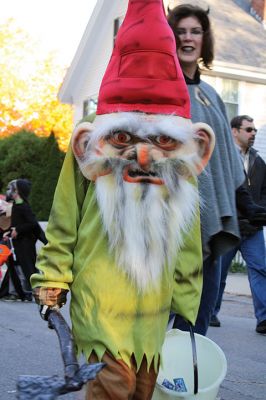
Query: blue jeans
{"x": 210, "y": 290}
{"x": 252, "y": 250}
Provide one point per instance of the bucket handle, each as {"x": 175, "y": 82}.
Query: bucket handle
{"x": 194, "y": 357}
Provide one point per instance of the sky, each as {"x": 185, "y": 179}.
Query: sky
{"x": 57, "y": 24}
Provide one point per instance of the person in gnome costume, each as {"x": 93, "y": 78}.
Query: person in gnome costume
{"x": 124, "y": 230}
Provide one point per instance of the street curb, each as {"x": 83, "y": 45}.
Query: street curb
{"x": 237, "y": 284}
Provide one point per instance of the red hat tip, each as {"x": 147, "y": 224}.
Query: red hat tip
{"x": 144, "y": 73}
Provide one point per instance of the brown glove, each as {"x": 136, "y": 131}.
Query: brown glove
{"x": 49, "y": 298}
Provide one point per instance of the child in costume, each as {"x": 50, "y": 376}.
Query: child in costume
{"x": 124, "y": 233}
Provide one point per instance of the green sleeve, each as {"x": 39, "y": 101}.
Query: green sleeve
{"x": 188, "y": 275}
{"x": 56, "y": 258}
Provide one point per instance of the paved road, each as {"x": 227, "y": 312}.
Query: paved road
{"x": 244, "y": 350}
{"x": 27, "y": 346}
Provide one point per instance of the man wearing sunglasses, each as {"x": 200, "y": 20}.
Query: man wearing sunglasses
{"x": 252, "y": 245}
{"x": 244, "y": 133}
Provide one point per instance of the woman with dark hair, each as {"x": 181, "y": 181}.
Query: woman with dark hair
{"x": 224, "y": 173}
{"x": 205, "y": 31}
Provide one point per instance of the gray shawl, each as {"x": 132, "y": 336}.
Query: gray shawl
{"x": 223, "y": 175}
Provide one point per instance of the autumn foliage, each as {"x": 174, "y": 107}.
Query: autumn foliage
{"x": 29, "y": 83}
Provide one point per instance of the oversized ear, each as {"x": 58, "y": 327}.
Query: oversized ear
{"x": 80, "y": 138}
{"x": 205, "y": 140}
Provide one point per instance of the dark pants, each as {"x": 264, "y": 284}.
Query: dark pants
{"x": 252, "y": 250}
{"x": 12, "y": 273}
{"x": 210, "y": 290}
{"x": 26, "y": 257}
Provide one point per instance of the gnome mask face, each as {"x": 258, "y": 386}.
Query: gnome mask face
{"x": 11, "y": 190}
{"x": 145, "y": 147}
{"x": 141, "y": 165}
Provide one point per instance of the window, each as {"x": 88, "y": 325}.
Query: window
{"x": 117, "y": 23}
{"x": 228, "y": 89}
{"x": 229, "y": 94}
{"x": 89, "y": 106}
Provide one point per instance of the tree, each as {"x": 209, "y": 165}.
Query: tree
{"x": 51, "y": 159}
{"x": 19, "y": 156}
{"x": 29, "y": 83}
{"x": 25, "y": 155}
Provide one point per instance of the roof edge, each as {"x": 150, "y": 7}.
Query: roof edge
{"x": 240, "y": 72}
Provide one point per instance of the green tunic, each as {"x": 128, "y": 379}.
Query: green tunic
{"x": 107, "y": 310}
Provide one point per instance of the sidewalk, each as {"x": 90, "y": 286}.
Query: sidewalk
{"x": 237, "y": 284}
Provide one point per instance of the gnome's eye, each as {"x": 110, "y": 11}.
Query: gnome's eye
{"x": 166, "y": 142}
{"x": 120, "y": 138}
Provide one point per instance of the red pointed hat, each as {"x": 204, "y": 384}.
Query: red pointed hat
{"x": 143, "y": 73}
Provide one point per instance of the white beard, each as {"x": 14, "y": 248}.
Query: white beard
{"x": 145, "y": 224}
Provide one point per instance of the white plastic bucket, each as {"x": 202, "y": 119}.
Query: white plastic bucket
{"x": 177, "y": 364}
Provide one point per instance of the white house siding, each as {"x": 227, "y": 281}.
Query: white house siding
{"x": 94, "y": 73}
{"x": 102, "y": 54}
{"x": 252, "y": 101}
{"x": 92, "y": 80}
{"x": 260, "y": 141}
{"x": 121, "y": 8}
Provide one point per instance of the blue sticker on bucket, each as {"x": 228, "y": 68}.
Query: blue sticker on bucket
{"x": 180, "y": 385}
{"x": 168, "y": 384}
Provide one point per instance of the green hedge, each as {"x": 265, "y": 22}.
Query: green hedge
{"x": 238, "y": 267}
{"x": 39, "y": 159}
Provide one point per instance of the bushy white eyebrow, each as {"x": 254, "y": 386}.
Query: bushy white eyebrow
{"x": 142, "y": 126}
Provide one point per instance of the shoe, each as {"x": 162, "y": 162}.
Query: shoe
{"x": 27, "y": 298}
{"x": 261, "y": 327}
{"x": 215, "y": 321}
{"x": 10, "y": 297}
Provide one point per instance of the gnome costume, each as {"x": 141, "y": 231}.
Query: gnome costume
{"x": 124, "y": 230}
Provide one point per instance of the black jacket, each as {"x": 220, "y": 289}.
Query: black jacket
{"x": 26, "y": 224}
{"x": 256, "y": 185}
{"x": 23, "y": 219}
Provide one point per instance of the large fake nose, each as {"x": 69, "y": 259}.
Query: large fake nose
{"x": 143, "y": 156}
